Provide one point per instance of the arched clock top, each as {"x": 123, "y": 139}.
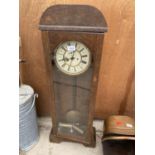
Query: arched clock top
{"x": 79, "y": 18}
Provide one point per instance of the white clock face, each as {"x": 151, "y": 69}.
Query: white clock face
{"x": 72, "y": 57}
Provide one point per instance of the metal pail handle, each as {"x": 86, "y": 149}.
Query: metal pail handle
{"x": 33, "y": 103}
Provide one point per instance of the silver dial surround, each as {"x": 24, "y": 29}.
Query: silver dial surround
{"x": 72, "y": 57}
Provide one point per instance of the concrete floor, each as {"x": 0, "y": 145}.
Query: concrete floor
{"x": 44, "y": 147}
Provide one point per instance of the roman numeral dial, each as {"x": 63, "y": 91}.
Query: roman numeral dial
{"x": 72, "y": 58}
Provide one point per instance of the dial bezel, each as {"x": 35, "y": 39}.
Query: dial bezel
{"x": 69, "y": 73}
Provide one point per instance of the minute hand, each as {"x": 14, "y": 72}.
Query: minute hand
{"x": 72, "y": 58}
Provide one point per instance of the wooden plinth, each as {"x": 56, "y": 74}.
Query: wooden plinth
{"x": 56, "y": 139}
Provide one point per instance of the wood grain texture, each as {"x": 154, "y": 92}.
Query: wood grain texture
{"x": 117, "y": 64}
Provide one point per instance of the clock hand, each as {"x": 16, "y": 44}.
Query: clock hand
{"x": 64, "y": 59}
{"x": 72, "y": 58}
{"x": 73, "y": 54}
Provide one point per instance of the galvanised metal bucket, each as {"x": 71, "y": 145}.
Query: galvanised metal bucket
{"x": 28, "y": 127}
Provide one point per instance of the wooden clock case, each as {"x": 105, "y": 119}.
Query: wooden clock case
{"x": 82, "y": 23}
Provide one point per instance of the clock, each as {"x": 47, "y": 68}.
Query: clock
{"x": 72, "y": 37}
{"x": 72, "y": 57}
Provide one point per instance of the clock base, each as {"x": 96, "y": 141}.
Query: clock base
{"x": 93, "y": 140}
{"x": 55, "y": 139}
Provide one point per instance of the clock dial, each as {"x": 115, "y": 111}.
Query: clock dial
{"x": 72, "y": 57}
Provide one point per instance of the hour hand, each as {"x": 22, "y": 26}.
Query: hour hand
{"x": 72, "y": 58}
{"x": 64, "y": 59}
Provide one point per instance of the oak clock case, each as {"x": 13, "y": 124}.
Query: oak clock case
{"x": 72, "y": 55}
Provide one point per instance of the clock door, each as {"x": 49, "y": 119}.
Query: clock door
{"x": 72, "y": 76}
